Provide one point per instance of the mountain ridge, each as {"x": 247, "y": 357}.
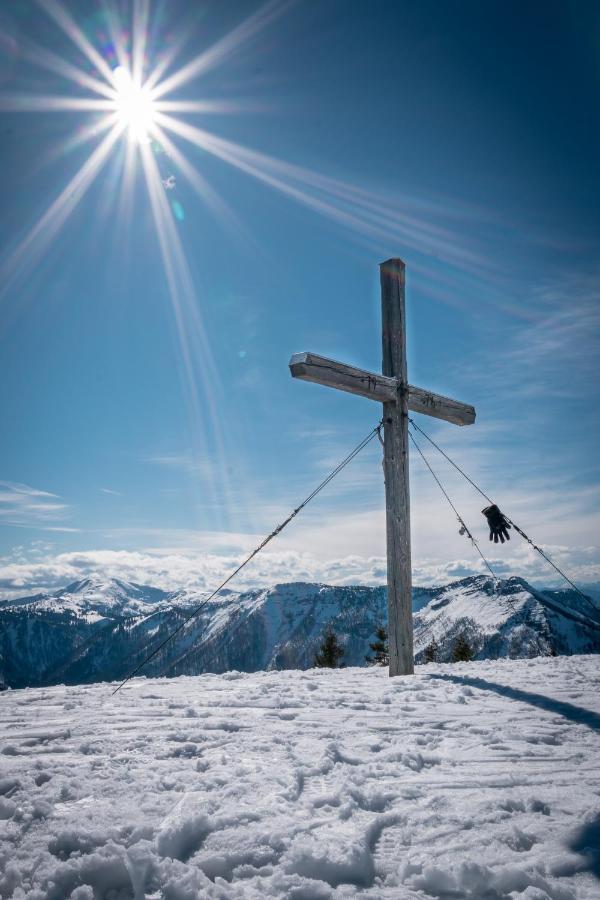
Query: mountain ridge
{"x": 100, "y": 629}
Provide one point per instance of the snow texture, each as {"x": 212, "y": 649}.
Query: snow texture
{"x": 469, "y": 781}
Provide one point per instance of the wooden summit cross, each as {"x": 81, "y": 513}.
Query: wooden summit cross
{"x": 392, "y": 389}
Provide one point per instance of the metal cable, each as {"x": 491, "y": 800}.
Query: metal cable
{"x": 263, "y": 543}
{"x": 514, "y": 525}
{"x": 451, "y": 461}
{"x": 456, "y": 512}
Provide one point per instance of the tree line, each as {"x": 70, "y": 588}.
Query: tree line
{"x": 331, "y": 650}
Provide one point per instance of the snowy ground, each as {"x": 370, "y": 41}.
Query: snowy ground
{"x": 477, "y": 780}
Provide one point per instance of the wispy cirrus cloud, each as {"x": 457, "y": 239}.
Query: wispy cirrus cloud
{"x": 555, "y": 353}
{"x": 199, "y": 466}
{"x": 21, "y": 504}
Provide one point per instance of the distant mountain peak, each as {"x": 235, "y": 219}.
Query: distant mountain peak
{"x": 99, "y": 628}
{"x": 103, "y": 584}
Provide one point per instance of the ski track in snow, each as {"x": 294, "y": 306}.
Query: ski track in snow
{"x": 477, "y": 780}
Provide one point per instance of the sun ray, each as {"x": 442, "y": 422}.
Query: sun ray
{"x": 116, "y": 33}
{"x": 363, "y": 214}
{"x": 48, "y": 103}
{"x": 209, "y": 195}
{"x": 63, "y": 19}
{"x": 257, "y": 165}
{"x": 141, "y": 12}
{"x": 33, "y": 246}
{"x": 45, "y": 59}
{"x": 193, "y": 342}
{"x": 78, "y": 139}
{"x": 204, "y": 106}
{"x": 166, "y": 61}
{"x": 123, "y": 219}
{"x": 224, "y": 47}
{"x": 127, "y": 181}
{"x": 177, "y": 273}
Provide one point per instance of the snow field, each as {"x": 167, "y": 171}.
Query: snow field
{"x": 475, "y": 780}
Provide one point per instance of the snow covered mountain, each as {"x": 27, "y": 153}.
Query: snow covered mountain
{"x": 100, "y": 630}
{"x": 509, "y": 619}
{"x": 94, "y": 599}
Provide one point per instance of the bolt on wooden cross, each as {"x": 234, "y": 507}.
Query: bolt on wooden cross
{"x": 392, "y": 389}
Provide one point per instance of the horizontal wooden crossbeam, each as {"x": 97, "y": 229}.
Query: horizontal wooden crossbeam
{"x": 329, "y": 372}
{"x": 440, "y": 407}
{"x": 311, "y": 367}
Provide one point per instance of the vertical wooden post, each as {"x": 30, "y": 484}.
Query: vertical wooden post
{"x": 395, "y": 464}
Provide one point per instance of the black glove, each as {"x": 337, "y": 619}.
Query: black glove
{"x": 498, "y": 524}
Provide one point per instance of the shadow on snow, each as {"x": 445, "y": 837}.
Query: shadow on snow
{"x": 577, "y": 714}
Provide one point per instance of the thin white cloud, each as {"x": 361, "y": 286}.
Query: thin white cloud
{"x": 59, "y": 528}
{"x": 110, "y": 491}
{"x": 21, "y": 504}
{"x": 186, "y": 463}
{"x": 555, "y": 353}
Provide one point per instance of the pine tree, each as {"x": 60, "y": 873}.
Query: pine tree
{"x": 331, "y": 651}
{"x": 462, "y": 651}
{"x": 380, "y": 649}
{"x": 430, "y": 653}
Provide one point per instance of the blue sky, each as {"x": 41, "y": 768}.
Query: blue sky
{"x": 151, "y": 429}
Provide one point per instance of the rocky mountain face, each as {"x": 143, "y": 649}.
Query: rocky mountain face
{"x": 101, "y": 630}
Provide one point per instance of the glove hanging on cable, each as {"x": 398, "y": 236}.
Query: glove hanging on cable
{"x": 498, "y": 524}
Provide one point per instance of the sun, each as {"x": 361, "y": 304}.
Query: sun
{"x": 134, "y": 106}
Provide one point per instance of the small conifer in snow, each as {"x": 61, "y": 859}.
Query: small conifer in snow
{"x": 462, "y": 652}
{"x": 430, "y": 654}
{"x": 381, "y": 653}
{"x": 331, "y": 651}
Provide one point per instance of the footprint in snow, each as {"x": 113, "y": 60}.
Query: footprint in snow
{"x": 519, "y": 841}
{"x": 389, "y": 849}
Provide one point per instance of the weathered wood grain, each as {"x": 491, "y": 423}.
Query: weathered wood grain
{"x": 395, "y": 465}
{"x": 319, "y": 369}
{"x": 440, "y": 407}
{"x": 373, "y": 386}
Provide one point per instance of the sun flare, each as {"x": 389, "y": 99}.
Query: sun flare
{"x": 134, "y": 105}
{"x": 123, "y": 87}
